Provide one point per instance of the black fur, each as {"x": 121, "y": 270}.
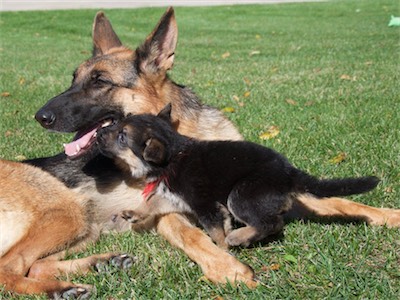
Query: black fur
{"x": 255, "y": 183}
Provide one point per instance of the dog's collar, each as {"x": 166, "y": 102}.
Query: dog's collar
{"x": 150, "y": 188}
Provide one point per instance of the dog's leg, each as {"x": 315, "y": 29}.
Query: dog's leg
{"x": 306, "y": 205}
{"x": 53, "y": 288}
{"x": 15, "y": 264}
{"x": 49, "y": 268}
{"x": 218, "y": 265}
{"x": 47, "y": 233}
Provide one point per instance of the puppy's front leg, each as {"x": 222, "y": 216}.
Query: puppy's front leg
{"x": 214, "y": 224}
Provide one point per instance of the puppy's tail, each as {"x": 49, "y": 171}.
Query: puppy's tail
{"x": 335, "y": 187}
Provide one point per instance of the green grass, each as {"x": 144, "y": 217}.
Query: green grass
{"x": 337, "y": 63}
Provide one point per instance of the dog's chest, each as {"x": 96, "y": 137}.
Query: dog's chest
{"x": 177, "y": 201}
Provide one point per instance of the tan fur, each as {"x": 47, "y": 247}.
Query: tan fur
{"x": 39, "y": 218}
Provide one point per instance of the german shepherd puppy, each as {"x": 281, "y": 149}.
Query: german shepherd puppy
{"x": 39, "y": 219}
{"x": 117, "y": 81}
{"x": 253, "y": 182}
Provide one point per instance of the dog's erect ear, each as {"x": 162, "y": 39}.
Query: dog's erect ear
{"x": 158, "y": 51}
{"x": 165, "y": 113}
{"x": 104, "y": 37}
{"x": 154, "y": 151}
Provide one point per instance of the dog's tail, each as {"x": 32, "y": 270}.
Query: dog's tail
{"x": 335, "y": 187}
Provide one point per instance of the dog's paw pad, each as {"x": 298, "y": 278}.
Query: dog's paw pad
{"x": 78, "y": 293}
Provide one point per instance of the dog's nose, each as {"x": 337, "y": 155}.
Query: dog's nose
{"x": 45, "y": 117}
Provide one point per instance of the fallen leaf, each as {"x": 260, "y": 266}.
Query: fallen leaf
{"x": 345, "y": 77}
{"x": 290, "y": 258}
{"x": 246, "y": 81}
{"x": 22, "y": 81}
{"x": 258, "y": 36}
{"x": 255, "y": 52}
{"x": 348, "y": 77}
{"x": 246, "y": 94}
{"x": 204, "y": 278}
{"x": 20, "y": 157}
{"x": 228, "y": 109}
{"x": 389, "y": 189}
{"x": 271, "y": 132}
{"x": 5, "y": 94}
{"x": 338, "y": 158}
{"x": 236, "y": 98}
{"x": 8, "y": 133}
{"x": 291, "y": 102}
{"x": 273, "y": 267}
{"x": 225, "y": 55}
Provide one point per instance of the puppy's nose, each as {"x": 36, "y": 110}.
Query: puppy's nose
{"x": 46, "y": 118}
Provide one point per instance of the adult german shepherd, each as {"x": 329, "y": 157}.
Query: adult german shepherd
{"x": 117, "y": 81}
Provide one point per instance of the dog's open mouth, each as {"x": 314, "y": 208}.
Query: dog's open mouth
{"x": 84, "y": 139}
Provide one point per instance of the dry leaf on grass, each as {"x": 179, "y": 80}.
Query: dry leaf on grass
{"x": 20, "y": 157}
{"x": 225, "y": 55}
{"x": 338, "y": 158}
{"x": 291, "y": 102}
{"x": 271, "y": 132}
{"x": 348, "y": 77}
{"x": 273, "y": 267}
{"x": 228, "y": 109}
{"x": 5, "y": 94}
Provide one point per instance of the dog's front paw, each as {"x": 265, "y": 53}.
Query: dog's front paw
{"x": 121, "y": 261}
{"x": 80, "y": 292}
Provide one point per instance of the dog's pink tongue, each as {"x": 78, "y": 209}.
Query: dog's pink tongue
{"x": 73, "y": 148}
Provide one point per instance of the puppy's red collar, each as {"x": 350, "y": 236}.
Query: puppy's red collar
{"x": 150, "y": 187}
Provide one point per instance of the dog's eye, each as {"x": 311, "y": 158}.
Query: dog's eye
{"x": 122, "y": 140}
{"x": 100, "y": 80}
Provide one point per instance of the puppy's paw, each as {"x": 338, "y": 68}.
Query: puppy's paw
{"x": 238, "y": 237}
{"x": 131, "y": 216}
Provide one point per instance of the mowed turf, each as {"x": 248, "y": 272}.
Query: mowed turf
{"x": 320, "y": 80}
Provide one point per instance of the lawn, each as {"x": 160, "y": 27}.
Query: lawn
{"x": 318, "y": 82}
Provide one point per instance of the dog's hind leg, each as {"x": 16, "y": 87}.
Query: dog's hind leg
{"x": 14, "y": 265}
{"x": 49, "y": 232}
{"x": 305, "y": 206}
{"x": 260, "y": 207}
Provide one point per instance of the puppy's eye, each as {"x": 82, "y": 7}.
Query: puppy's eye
{"x": 122, "y": 139}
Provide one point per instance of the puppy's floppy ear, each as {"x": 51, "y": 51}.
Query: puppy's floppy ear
{"x": 165, "y": 113}
{"x": 154, "y": 151}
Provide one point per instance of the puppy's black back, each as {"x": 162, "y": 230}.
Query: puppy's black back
{"x": 207, "y": 170}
